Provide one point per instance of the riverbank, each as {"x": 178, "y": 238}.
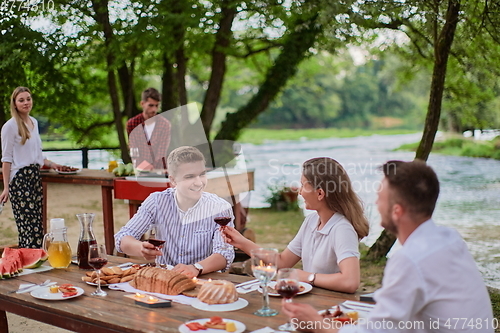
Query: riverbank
{"x": 457, "y": 145}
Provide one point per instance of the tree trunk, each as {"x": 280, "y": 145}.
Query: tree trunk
{"x": 381, "y": 247}
{"x": 126, "y": 77}
{"x": 442, "y": 47}
{"x": 294, "y": 51}
{"x": 169, "y": 97}
{"x": 102, "y": 17}
{"x": 222, "y": 40}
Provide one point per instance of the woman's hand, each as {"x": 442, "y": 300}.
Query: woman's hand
{"x": 233, "y": 237}
{"x": 4, "y": 197}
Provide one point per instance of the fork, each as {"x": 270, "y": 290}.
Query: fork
{"x": 25, "y": 289}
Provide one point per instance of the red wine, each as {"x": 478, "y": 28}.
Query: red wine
{"x": 156, "y": 242}
{"x": 222, "y": 221}
{"x": 287, "y": 289}
{"x": 98, "y": 263}
{"x": 83, "y": 253}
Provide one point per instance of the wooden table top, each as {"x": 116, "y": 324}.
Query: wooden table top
{"x": 116, "y": 313}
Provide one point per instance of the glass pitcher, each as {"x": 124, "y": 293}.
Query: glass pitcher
{"x": 86, "y": 239}
{"x": 56, "y": 244}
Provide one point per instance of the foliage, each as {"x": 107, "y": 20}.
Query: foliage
{"x": 282, "y": 197}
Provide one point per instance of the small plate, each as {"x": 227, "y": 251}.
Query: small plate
{"x": 68, "y": 172}
{"x": 306, "y": 286}
{"x": 240, "y": 327}
{"x": 44, "y": 293}
{"x": 239, "y": 304}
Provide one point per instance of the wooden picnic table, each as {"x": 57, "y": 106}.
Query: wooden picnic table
{"x": 116, "y": 313}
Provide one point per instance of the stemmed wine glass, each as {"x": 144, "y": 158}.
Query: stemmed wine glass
{"x": 152, "y": 238}
{"x": 222, "y": 221}
{"x": 134, "y": 155}
{"x": 287, "y": 286}
{"x": 264, "y": 266}
{"x": 97, "y": 260}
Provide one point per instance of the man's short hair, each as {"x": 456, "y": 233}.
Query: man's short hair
{"x": 181, "y": 155}
{"x": 151, "y": 93}
{"x": 414, "y": 185}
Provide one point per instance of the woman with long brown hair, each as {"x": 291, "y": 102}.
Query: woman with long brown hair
{"x": 21, "y": 161}
{"x": 328, "y": 239}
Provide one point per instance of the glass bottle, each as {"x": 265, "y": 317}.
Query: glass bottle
{"x": 86, "y": 239}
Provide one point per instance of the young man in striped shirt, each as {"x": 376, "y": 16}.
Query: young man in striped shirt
{"x": 184, "y": 219}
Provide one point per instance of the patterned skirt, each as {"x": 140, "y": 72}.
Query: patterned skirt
{"x": 26, "y": 195}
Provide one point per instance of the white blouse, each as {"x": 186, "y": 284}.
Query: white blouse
{"x": 16, "y": 153}
{"x": 322, "y": 250}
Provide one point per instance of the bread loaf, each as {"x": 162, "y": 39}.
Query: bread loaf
{"x": 218, "y": 292}
{"x": 158, "y": 280}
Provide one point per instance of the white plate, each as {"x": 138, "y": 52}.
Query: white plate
{"x": 239, "y": 304}
{"x": 68, "y": 172}
{"x": 44, "y": 293}
{"x": 240, "y": 327}
{"x": 272, "y": 284}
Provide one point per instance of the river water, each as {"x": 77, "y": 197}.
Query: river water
{"x": 470, "y": 187}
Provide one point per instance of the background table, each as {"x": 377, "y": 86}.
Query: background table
{"x": 116, "y": 313}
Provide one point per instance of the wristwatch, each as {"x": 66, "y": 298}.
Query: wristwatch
{"x": 311, "y": 278}
{"x": 199, "y": 267}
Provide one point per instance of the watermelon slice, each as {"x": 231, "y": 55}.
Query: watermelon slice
{"x": 12, "y": 257}
{"x": 33, "y": 258}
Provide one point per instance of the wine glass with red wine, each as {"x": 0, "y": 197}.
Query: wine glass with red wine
{"x": 287, "y": 286}
{"x": 97, "y": 260}
{"x": 222, "y": 221}
{"x": 153, "y": 239}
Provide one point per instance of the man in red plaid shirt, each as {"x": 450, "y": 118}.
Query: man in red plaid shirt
{"x": 149, "y": 133}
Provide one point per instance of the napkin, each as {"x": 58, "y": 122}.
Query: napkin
{"x": 30, "y": 287}
{"x": 125, "y": 286}
{"x": 247, "y": 289}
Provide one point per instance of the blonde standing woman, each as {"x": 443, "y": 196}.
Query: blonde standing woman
{"x": 21, "y": 161}
{"x": 328, "y": 240}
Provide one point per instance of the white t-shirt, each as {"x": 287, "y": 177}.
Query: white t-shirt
{"x": 16, "y": 153}
{"x": 149, "y": 127}
{"x": 431, "y": 284}
{"x": 322, "y": 250}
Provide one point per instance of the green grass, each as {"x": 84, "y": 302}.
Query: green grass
{"x": 495, "y": 301}
{"x": 458, "y": 146}
{"x": 258, "y": 135}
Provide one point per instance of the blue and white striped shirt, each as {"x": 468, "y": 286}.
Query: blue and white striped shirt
{"x": 189, "y": 236}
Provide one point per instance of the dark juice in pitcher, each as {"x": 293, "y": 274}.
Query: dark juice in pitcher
{"x": 83, "y": 253}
